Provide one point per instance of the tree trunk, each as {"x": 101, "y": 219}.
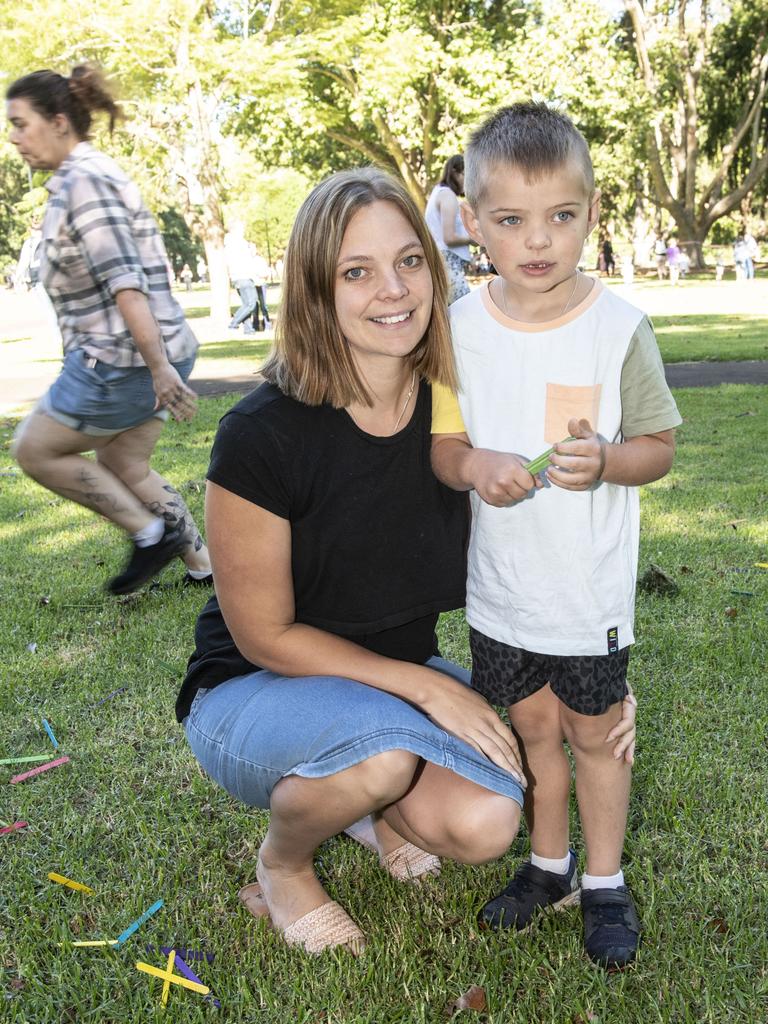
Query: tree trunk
{"x": 221, "y": 310}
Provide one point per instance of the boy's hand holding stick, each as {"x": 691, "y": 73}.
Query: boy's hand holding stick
{"x": 579, "y": 459}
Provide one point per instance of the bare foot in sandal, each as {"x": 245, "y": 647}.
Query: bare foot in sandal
{"x": 300, "y": 909}
{"x": 401, "y": 859}
{"x": 290, "y": 894}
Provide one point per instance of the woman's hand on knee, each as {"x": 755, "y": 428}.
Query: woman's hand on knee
{"x": 468, "y": 716}
{"x": 623, "y": 734}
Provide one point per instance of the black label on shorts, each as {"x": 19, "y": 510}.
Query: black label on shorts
{"x": 613, "y": 639}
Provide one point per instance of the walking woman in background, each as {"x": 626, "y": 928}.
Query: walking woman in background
{"x": 447, "y": 229}
{"x": 127, "y": 349}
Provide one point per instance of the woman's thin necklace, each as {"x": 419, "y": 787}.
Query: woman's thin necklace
{"x": 562, "y": 312}
{"x": 407, "y": 400}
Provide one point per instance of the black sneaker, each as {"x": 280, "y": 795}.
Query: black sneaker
{"x": 204, "y": 581}
{"x": 531, "y": 889}
{"x": 611, "y": 926}
{"x": 145, "y": 563}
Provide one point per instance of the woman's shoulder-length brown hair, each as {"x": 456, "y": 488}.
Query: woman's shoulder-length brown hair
{"x": 311, "y": 360}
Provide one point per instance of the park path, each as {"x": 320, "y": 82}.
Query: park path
{"x": 30, "y": 350}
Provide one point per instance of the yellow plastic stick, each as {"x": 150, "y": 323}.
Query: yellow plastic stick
{"x": 167, "y": 982}
{"x": 96, "y": 942}
{"x": 175, "y": 979}
{"x": 68, "y": 882}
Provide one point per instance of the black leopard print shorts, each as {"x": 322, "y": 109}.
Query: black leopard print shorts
{"x": 587, "y": 684}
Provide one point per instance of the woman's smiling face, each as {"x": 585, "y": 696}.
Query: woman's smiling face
{"x": 383, "y": 292}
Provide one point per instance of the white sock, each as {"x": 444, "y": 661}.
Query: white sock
{"x": 149, "y": 534}
{"x": 558, "y": 865}
{"x": 197, "y": 575}
{"x": 602, "y": 881}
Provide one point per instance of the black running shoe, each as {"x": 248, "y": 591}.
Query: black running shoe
{"x": 145, "y": 563}
{"x": 204, "y": 581}
{"x": 530, "y": 890}
{"x": 611, "y": 926}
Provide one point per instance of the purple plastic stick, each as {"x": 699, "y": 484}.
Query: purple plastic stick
{"x": 109, "y": 696}
{"x": 191, "y": 976}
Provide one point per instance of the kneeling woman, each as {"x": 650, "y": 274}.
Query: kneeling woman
{"x": 316, "y": 688}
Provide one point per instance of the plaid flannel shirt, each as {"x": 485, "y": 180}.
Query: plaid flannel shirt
{"x": 99, "y": 239}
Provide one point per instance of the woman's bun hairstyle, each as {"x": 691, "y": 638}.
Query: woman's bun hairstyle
{"x": 78, "y": 97}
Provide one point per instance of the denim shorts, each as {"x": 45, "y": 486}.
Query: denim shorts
{"x": 251, "y": 731}
{"x": 99, "y": 399}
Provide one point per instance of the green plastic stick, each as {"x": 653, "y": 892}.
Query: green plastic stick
{"x": 22, "y": 760}
{"x": 542, "y": 461}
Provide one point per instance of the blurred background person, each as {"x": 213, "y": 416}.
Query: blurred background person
{"x": 128, "y": 350}
{"x": 446, "y": 226}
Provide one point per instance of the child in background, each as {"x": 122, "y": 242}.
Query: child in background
{"x": 544, "y": 352}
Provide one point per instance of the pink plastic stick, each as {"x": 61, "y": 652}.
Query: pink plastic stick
{"x": 12, "y": 828}
{"x": 39, "y": 769}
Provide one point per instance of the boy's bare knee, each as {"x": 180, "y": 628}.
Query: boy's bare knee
{"x": 586, "y": 733}
{"x": 486, "y": 831}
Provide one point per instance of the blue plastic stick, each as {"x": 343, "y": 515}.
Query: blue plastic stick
{"x": 53, "y": 739}
{"x": 138, "y": 923}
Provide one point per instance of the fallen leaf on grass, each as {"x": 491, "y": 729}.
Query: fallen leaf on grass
{"x": 719, "y": 925}
{"x": 655, "y": 581}
{"x": 731, "y": 612}
{"x": 473, "y": 999}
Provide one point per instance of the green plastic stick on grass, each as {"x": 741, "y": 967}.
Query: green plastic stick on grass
{"x": 542, "y": 461}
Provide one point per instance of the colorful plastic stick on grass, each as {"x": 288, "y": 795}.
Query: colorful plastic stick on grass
{"x": 51, "y": 737}
{"x": 188, "y": 973}
{"x": 167, "y": 982}
{"x": 25, "y": 760}
{"x": 92, "y": 942}
{"x": 138, "y": 922}
{"x": 174, "y": 979}
{"x": 37, "y": 771}
{"x": 109, "y": 696}
{"x": 761, "y": 565}
{"x": 13, "y": 828}
{"x": 62, "y": 880}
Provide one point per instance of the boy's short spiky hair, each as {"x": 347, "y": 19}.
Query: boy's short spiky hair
{"x": 531, "y": 136}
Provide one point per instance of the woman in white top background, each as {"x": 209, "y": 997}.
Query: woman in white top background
{"x": 445, "y": 224}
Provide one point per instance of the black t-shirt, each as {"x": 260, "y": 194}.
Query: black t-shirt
{"x": 378, "y": 543}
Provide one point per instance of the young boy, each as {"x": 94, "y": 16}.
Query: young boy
{"x": 545, "y": 353}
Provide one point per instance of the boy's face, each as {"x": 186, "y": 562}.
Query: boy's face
{"x": 534, "y": 231}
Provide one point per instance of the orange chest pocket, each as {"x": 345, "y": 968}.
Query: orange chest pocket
{"x": 564, "y": 403}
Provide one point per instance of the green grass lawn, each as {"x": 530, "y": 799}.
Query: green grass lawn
{"x": 133, "y": 816}
{"x": 690, "y": 337}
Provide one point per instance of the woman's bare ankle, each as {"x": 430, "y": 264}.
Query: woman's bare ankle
{"x": 291, "y": 890}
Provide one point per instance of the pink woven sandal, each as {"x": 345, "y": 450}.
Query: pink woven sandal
{"x": 408, "y": 863}
{"x": 323, "y": 928}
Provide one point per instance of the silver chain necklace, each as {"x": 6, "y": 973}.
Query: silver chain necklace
{"x": 562, "y": 311}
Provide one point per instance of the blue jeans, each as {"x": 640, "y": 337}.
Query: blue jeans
{"x": 246, "y": 289}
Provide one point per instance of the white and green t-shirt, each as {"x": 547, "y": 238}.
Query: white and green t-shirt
{"x": 555, "y": 573}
